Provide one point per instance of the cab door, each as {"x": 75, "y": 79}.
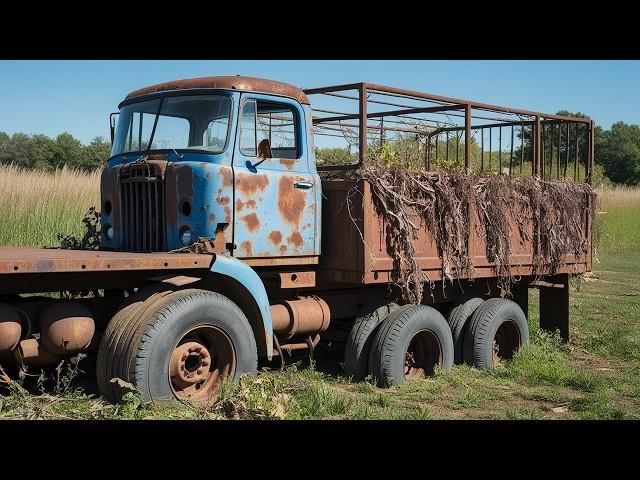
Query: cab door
{"x": 274, "y": 190}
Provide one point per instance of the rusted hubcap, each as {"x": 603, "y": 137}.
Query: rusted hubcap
{"x": 423, "y": 355}
{"x": 199, "y": 363}
{"x": 506, "y": 341}
{"x": 189, "y": 364}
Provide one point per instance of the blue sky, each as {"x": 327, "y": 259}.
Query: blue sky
{"x": 51, "y": 97}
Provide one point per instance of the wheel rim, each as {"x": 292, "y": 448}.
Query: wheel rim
{"x": 506, "y": 341}
{"x": 200, "y": 362}
{"x": 423, "y": 355}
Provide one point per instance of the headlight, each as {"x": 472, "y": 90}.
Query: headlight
{"x": 109, "y": 232}
{"x": 186, "y": 235}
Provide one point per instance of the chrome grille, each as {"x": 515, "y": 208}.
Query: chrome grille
{"x": 143, "y": 208}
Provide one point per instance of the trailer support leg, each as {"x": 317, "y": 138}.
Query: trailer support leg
{"x": 521, "y": 297}
{"x": 554, "y": 306}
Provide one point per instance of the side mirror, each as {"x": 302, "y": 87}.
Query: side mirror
{"x": 112, "y": 124}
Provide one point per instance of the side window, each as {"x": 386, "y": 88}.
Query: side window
{"x": 271, "y": 128}
{"x": 279, "y": 126}
{"x": 248, "y": 143}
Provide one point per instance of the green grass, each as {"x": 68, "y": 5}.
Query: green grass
{"x": 37, "y": 205}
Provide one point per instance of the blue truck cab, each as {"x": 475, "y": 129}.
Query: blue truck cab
{"x": 227, "y": 159}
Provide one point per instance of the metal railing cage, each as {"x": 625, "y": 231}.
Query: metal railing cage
{"x": 424, "y": 131}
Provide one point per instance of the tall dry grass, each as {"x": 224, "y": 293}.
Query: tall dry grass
{"x": 35, "y": 206}
{"x": 618, "y": 218}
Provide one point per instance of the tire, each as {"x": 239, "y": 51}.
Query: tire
{"x": 498, "y": 323}
{"x": 173, "y": 325}
{"x": 419, "y": 329}
{"x": 111, "y": 351}
{"x": 458, "y": 320}
{"x": 356, "y": 353}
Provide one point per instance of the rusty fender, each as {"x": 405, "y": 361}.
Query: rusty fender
{"x": 245, "y": 275}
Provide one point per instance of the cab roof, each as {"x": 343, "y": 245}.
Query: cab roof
{"x": 245, "y": 84}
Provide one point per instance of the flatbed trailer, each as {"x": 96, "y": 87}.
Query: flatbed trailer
{"x": 290, "y": 257}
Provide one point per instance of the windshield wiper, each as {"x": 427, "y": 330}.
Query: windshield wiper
{"x": 155, "y": 124}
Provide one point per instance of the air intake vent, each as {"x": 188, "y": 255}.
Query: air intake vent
{"x": 143, "y": 208}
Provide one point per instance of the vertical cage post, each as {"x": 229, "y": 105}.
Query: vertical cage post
{"x": 536, "y": 147}
{"x": 467, "y": 136}
{"x": 362, "y": 144}
{"x": 566, "y": 153}
{"x": 482, "y": 149}
{"x": 511, "y": 153}
{"x": 447, "y": 142}
{"x": 559, "y": 144}
{"x": 591, "y": 127}
{"x": 575, "y": 162}
{"x": 521, "y": 147}
{"x": 500, "y": 150}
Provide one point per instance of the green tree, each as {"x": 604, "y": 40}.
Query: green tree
{"x": 41, "y": 150}
{"x": 618, "y": 151}
{"x": 19, "y": 150}
{"x": 96, "y": 153}
{"x": 67, "y": 151}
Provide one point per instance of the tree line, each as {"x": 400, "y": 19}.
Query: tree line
{"x": 44, "y": 153}
{"x": 617, "y": 151}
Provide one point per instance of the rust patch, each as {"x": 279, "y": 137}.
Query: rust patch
{"x": 208, "y": 175}
{"x": 223, "y": 201}
{"x": 283, "y": 249}
{"x": 252, "y": 221}
{"x": 212, "y": 217}
{"x": 227, "y": 214}
{"x": 295, "y": 239}
{"x": 249, "y": 204}
{"x": 287, "y": 162}
{"x": 291, "y": 201}
{"x": 227, "y": 177}
{"x": 220, "y": 243}
{"x": 246, "y": 246}
{"x": 275, "y": 236}
{"x": 251, "y": 184}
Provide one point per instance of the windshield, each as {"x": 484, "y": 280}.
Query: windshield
{"x": 185, "y": 122}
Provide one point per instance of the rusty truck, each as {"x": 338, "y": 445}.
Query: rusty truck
{"x": 287, "y": 255}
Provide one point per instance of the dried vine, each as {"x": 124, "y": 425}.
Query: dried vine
{"x": 445, "y": 203}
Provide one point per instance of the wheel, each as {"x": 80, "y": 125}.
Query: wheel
{"x": 185, "y": 345}
{"x": 411, "y": 343}
{"x": 458, "y": 320}
{"x": 356, "y": 354}
{"x": 498, "y": 328}
{"x": 110, "y": 358}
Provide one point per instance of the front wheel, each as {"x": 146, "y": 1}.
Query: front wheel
{"x": 187, "y": 345}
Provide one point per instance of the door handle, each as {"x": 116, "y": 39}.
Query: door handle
{"x": 303, "y": 185}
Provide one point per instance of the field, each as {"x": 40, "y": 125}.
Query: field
{"x": 595, "y": 376}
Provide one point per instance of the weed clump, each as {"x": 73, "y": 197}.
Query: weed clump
{"x": 91, "y": 237}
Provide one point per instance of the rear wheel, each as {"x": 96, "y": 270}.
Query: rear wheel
{"x": 411, "y": 343}
{"x": 458, "y": 320}
{"x": 498, "y": 329}
{"x": 356, "y": 354}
